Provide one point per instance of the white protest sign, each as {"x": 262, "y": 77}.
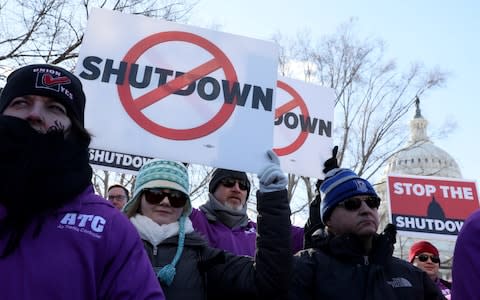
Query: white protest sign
{"x": 162, "y": 89}
{"x": 303, "y": 126}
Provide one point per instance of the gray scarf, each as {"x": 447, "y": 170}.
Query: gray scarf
{"x": 216, "y": 211}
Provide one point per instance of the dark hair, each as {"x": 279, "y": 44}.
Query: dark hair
{"x": 79, "y": 133}
{"x": 127, "y": 192}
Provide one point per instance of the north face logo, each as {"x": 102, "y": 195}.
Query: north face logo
{"x": 398, "y": 282}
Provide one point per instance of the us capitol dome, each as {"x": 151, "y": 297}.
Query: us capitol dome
{"x": 422, "y": 158}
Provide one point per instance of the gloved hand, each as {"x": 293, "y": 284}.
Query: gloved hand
{"x": 331, "y": 163}
{"x": 272, "y": 178}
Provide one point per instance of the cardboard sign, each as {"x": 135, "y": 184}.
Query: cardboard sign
{"x": 162, "y": 89}
{"x": 423, "y": 206}
{"x": 303, "y": 126}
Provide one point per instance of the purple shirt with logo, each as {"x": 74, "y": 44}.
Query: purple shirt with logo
{"x": 85, "y": 250}
{"x": 240, "y": 241}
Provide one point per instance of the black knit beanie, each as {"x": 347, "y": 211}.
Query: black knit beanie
{"x": 46, "y": 80}
{"x": 220, "y": 174}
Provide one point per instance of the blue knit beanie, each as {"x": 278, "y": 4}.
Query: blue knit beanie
{"x": 158, "y": 173}
{"x": 339, "y": 185}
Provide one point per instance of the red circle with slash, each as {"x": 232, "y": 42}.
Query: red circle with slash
{"x": 296, "y": 101}
{"x": 134, "y": 107}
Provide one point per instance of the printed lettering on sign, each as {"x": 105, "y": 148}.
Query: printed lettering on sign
{"x": 168, "y": 86}
{"x": 422, "y": 205}
{"x": 303, "y": 126}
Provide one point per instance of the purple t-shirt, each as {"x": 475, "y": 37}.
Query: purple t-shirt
{"x": 466, "y": 263}
{"x": 240, "y": 241}
{"x": 85, "y": 250}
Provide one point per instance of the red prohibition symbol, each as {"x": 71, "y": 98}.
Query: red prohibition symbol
{"x": 296, "y": 101}
{"x": 134, "y": 107}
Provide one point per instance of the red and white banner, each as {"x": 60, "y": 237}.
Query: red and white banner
{"x": 421, "y": 206}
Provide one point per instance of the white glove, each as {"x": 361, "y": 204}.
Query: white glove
{"x": 272, "y": 178}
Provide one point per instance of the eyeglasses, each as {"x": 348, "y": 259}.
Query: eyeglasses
{"x": 155, "y": 196}
{"x": 117, "y": 197}
{"x": 230, "y": 182}
{"x": 353, "y": 204}
{"x": 425, "y": 257}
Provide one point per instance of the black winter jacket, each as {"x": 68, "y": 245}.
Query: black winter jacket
{"x": 204, "y": 272}
{"x": 336, "y": 269}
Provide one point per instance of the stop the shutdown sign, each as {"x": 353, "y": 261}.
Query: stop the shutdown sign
{"x": 167, "y": 90}
{"x": 426, "y": 206}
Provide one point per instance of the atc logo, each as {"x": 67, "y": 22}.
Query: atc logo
{"x": 88, "y": 224}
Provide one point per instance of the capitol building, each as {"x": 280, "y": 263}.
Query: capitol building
{"x": 419, "y": 157}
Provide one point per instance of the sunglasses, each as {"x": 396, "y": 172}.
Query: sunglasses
{"x": 353, "y": 204}
{"x": 425, "y": 257}
{"x": 155, "y": 196}
{"x": 230, "y": 182}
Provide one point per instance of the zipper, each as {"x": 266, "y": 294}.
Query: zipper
{"x": 365, "y": 260}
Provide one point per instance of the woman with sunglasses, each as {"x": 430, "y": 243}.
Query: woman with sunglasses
{"x": 186, "y": 266}
{"x": 349, "y": 260}
{"x": 425, "y": 256}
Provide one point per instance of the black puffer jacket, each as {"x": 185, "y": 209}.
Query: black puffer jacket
{"x": 336, "y": 269}
{"x": 204, "y": 272}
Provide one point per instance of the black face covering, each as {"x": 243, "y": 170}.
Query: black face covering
{"x": 38, "y": 173}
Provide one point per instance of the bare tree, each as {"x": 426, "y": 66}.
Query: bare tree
{"x": 51, "y": 31}
{"x": 372, "y": 95}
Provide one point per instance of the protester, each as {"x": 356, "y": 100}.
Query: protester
{"x": 58, "y": 240}
{"x": 186, "y": 266}
{"x": 118, "y": 195}
{"x": 466, "y": 265}
{"x": 223, "y": 219}
{"x": 349, "y": 260}
{"x": 425, "y": 256}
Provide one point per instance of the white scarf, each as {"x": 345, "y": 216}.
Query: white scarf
{"x": 155, "y": 233}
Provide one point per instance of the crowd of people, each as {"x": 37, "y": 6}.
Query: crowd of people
{"x": 60, "y": 240}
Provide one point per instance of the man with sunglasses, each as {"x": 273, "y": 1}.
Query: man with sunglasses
{"x": 223, "y": 219}
{"x": 349, "y": 260}
{"x": 425, "y": 256}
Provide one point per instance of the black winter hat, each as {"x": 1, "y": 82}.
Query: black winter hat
{"x": 220, "y": 174}
{"x": 46, "y": 80}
